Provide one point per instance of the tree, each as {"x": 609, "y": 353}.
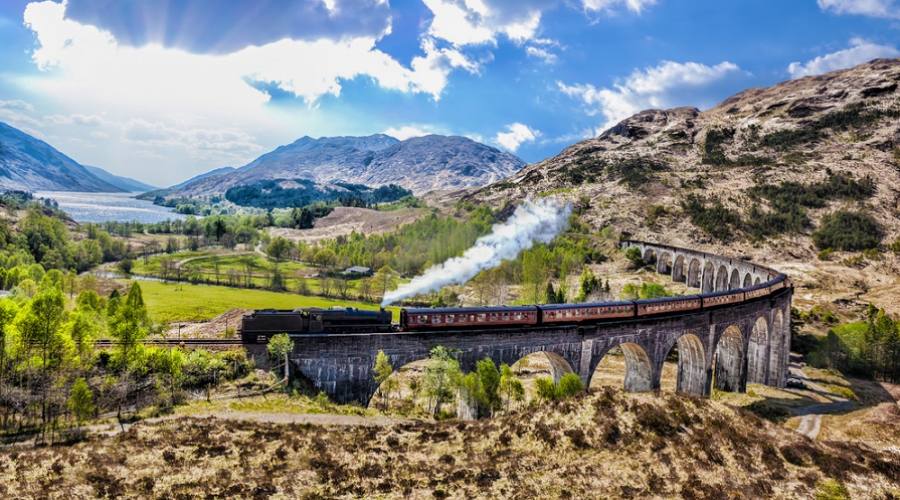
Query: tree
{"x": 130, "y": 323}
{"x": 589, "y": 284}
{"x": 280, "y": 346}
{"x": 278, "y": 248}
{"x": 442, "y": 375}
{"x": 535, "y": 273}
{"x": 550, "y": 294}
{"x": 8, "y": 312}
{"x": 510, "y": 388}
{"x": 384, "y": 279}
{"x": 365, "y": 289}
{"x": 81, "y": 401}
{"x": 383, "y": 370}
{"x": 490, "y": 382}
{"x": 39, "y": 324}
{"x": 343, "y": 287}
{"x": 125, "y": 265}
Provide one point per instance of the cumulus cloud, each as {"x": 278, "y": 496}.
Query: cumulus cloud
{"x": 472, "y": 22}
{"x": 91, "y": 58}
{"x": 515, "y": 135}
{"x": 860, "y": 51}
{"x": 475, "y": 22}
{"x": 873, "y": 8}
{"x": 665, "y": 85}
{"x": 609, "y": 5}
{"x": 542, "y": 54}
{"x": 405, "y": 132}
{"x": 189, "y": 25}
{"x": 86, "y": 70}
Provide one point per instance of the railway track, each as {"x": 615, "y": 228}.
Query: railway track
{"x": 176, "y": 342}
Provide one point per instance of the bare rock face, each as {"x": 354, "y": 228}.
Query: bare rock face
{"x": 420, "y": 164}
{"x": 845, "y": 122}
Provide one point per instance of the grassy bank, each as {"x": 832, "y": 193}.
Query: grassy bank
{"x": 168, "y": 303}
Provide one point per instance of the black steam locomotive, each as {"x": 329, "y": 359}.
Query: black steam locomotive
{"x": 264, "y": 323}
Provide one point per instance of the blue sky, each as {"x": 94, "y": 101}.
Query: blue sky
{"x": 167, "y": 89}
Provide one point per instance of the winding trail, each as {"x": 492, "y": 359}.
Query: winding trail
{"x": 811, "y": 416}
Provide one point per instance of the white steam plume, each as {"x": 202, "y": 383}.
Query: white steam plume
{"x": 533, "y": 221}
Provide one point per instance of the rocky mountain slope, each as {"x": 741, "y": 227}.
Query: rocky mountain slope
{"x": 124, "y": 183}
{"x": 30, "y": 164}
{"x": 420, "y": 164}
{"x": 760, "y": 169}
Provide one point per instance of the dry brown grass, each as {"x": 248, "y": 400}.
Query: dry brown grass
{"x": 607, "y": 444}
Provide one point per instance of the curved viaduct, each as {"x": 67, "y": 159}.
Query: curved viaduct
{"x": 728, "y": 345}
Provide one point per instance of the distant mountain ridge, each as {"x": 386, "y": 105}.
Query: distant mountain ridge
{"x": 124, "y": 183}
{"x": 30, "y": 164}
{"x": 420, "y": 164}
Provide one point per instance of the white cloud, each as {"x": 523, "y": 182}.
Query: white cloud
{"x": 86, "y": 72}
{"x": 659, "y": 86}
{"x": 16, "y": 105}
{"x": 405, "y": 132}
{"x": 515, "y": 135}
{"x": 542, "y": 54}
{"x": 873, "y": 8}
{"x": 608, "y": 5}
{"x": 476, "y": 22}
{"x": 76, "y": 119}
{"x": 860, "y": 51}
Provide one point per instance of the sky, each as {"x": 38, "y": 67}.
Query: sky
{"x": 162, "y": 90}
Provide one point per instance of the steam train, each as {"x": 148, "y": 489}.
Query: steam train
{"x": 258, "y": 326}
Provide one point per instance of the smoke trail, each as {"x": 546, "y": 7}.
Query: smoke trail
{"x": 533, "y": 221}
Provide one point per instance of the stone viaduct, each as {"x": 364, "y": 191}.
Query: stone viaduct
{"x": 726, "y": 345}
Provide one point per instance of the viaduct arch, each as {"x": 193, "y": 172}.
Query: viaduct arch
{"x": 723, "y": 346}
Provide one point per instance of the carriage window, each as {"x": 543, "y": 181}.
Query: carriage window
{"x": 450, "y": 318}
{"x": 482, "y": 317}
{"x": 435, "y": 319}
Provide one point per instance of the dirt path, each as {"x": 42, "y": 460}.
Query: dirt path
{"x": 811, "y": 415}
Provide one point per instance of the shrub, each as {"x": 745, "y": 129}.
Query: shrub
{"x": 633, "y": 254}
{"x": 569, "y": 385}
{"x": 831, "y": 489}
{"x": 712, "y": 217}
{"x": 848, "y": 231}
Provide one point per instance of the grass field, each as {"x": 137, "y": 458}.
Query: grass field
{"x": 168, "y": 303}
{"x": 234, "y": 269}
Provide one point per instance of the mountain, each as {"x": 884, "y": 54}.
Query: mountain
{"x": 124, "y": 183}
{"x": 30, "y": 164}
{"x": 165, "y": 192}
{"x": 420, "y": 164}
{"x": 766, "y": 168}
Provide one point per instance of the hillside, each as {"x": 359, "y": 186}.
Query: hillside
{"x": 761, "y": 168}
{"x": 30, "y": 164}
{"x": 607, "y": 444}
{"x": 420, "y": 164}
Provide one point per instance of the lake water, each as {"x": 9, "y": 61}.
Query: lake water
{"x": 104, "y": 207}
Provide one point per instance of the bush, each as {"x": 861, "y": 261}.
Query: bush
{"x": 831, "y": 489}
{"x": 712, "y": 217}
{"x": 569, "y": 385}
{"x": 633, "y": 254}
{"x": 848, "y": 231}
